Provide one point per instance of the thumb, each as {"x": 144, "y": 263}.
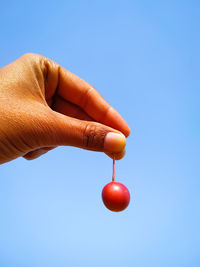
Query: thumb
{"x": 68, "y": 131}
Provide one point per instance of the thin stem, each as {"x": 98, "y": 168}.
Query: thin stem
{"x": 113, "y": 177}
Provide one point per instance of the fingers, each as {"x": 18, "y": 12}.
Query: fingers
{"x": 79, "y": 92}
{"x": 58, "y": 129}
{"x": 75, "y": 90}
{"x": 73, "y": 97}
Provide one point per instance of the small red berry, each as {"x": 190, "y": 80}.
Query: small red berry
{"x": 115, "y": 196}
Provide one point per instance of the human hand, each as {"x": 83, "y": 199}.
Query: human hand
{"x": 43, "y": 105}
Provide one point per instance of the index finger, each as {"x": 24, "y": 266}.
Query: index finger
{"x": 74, "y": 89}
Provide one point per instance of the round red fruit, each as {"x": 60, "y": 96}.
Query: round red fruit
{"x": 115, "y": 196}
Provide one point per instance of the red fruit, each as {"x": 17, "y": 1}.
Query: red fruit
{"x": 115, "y": 196}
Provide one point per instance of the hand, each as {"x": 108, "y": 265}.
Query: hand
{"x": 43, "y": 105}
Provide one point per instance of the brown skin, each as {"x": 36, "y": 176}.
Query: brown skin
{"x": 43, "y": 105}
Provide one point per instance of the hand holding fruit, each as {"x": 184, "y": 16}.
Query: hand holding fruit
{"x": 43, "y": 105}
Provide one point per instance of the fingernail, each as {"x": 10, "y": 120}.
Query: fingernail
{"x": 114, "y": 142}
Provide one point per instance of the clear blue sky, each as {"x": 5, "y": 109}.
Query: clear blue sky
{"x": 144, "y": 58}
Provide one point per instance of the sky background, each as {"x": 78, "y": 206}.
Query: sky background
{"x": 143, "y": 57}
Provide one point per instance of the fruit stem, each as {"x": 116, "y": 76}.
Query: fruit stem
{"x": 113, "y": 177}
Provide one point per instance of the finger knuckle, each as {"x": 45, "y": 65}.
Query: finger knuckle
{"x": 30, "y": 57}
{"x": 86, "y": 96}
{"x": 93, "y": 136}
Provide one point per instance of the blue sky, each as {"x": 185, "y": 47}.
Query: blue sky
{"x": 143, "y": 57}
